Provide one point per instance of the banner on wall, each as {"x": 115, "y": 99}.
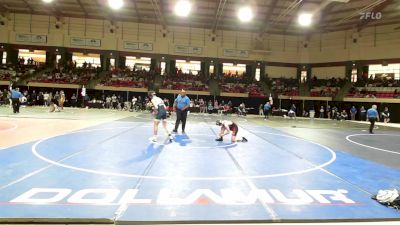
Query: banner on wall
{"x": 39, "y": 38}
{"x": 195, "y": 50}
{"x": 188, "y": 50}
{"x": 145, "y": 46}
{"x": 31, "y": 38}
{"x": 93, "y": 42}
{"x": 78, "y": 41}
{"x": 85, "y": 42}
{"x": 236, "y": 53}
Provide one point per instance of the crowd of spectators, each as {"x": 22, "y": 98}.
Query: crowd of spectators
{"x": 365, "y": 92}
{"x": 366, "y": 81}
{"x": 283, "y": 86}
{"x": 128, "y": 78}
{"x": 69, "y": 73}
{"x": 326, "y": 87}
{"x": 185, "y": 81}
{"x": 255, "y": 90}
{"x": 16, "y": 72}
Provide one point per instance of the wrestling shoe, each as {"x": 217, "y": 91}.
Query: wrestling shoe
{"x": 170, "y": 137}
{"x": 153, "y": 139}
{"x": 219, "y": 139}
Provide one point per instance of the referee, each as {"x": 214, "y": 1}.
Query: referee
{"x": 372, "y": 116}
{"x": 181, "y": 105}
{"x": 15, "y": 96}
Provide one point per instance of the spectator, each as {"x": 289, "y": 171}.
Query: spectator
{"x": 363, "y": 113}
{"x": 321, "y": 112}
{"x": 267, "y": 108}
{"x": 353, "y": 112}
{"x": 74, "y": 100}
{"x": 261, "y": 110}
{"x": 386, "y": 115}
{"x": 343, "y": 115}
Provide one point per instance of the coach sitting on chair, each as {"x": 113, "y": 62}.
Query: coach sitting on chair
{"x": 15, "y": 96}
{"x": 181, "y": 104}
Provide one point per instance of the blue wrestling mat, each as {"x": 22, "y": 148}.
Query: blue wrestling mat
{"x": 112, "y": 172}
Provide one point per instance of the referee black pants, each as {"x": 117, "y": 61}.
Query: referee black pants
{"x": 16, "y": 104}
{"x": 180, "y": 116}
{"x": 371, "y": 126}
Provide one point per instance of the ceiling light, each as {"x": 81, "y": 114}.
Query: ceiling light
{"x": 115, "y": 4}
{"x": 305, "y": 19}
{"x": 245, "y": 14}
{"x": 182, "y": 8}
{"x": 47, "y": 1}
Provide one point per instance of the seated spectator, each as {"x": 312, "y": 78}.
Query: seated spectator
{"x": 386, "y": 115}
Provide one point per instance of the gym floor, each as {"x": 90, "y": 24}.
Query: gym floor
{"x": 98, "y": 166}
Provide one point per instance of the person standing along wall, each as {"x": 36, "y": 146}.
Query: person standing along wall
{"x": 363, "y": 113}
{"x": 353, "y": 112}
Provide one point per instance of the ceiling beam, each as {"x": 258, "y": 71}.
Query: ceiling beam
{"x": 82, "y": 7}
{"x": 136, "y": 11}
{"x": 158, "y": 12}
{"x": 218, "y": 14}
{"x": 293, "y": 16}
{"x": 54, "y": 7}
{"x": 264, "y": 27}
{"x": 3, "y": 7}
{"x": 377, "y": 9}
{"x": 31, "y": 10}
{"x": 285, "y": 12}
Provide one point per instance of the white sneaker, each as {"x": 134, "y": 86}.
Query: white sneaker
{"x": 153, "y": 139}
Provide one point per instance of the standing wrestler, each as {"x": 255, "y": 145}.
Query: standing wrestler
{"x": 160, "y": 113}
{"x": 229, "y": 127}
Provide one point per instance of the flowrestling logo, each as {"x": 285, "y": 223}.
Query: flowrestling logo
{"x": 370, "y": 15}
{"x": 172, "y": 197}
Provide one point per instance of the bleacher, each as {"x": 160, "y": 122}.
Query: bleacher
{"x": 373, "y": 92}
{"x": 284, "y": 86}
{"x": 17, "y": 72}
{"x": 127, "y": 78}
{"x": 326, "y": 87}
{"x": 184, "y": 81}
{"x": 255, "y": 90}
{"x": 68, "y": 76}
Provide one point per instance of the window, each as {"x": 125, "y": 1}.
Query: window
{"x": 211, "y": 69}
{"x": 188, "y": 67}
{"x": 112, "y": 63}
{"x": 391, "y": 71}
{"x": 142, "y": 63}
{"x": 58, "y": 58}
{"x": 234, "y": 69}
{"x": 163, "y": 66}
{"x": 258, "y": 71}
{"x": 4, "y": 58}
{"x": 354, "y": 75}
{"x": 38, "y": 56}
{"x": 81, "y": 58}
{"x": 303, "y": 76}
